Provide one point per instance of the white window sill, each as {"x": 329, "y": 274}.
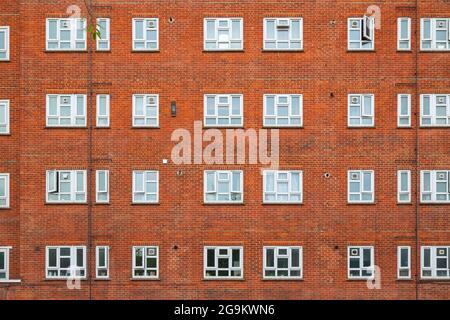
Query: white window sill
{"x": 282, "y": 203}
{"x": 434, "y": 50}
{"x": 48, "y": 202}
{"x": 360, "y": 50}
{"x": 435, "y": 202}
{"x": 145, "y": 279}
{"x": 66, "y": 278}
{"x": 224, "y": 203}
{"x": 65, "y": 127}
{"x": 145, "y": 127}
{"x": 297, "y": 126}
{"x": 5, "y": 208}
{"x": 282, "y": 50}
{"x": 209, "y": 126}
{"x": 11, "y": 281}
{"x": 5, "y": 60}
{"x": 145, "y": 50}
{"x": 360, "y": 202}
{"x": 66, "y": 50}
{"x": 282, "y": 279}
{"x": 223, "y": 50}
{"x": 434, "y": 126}
{"x": 224, "y": 279}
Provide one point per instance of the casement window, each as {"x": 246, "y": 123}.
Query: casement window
{"x": 283, "y": 34}
{"x": 66, "y": 186}
{"x": 102, "y": 186}
{"x": 361, "y": 110}
{"x": 66, "y": 34}
{"x": 103, "y": 39}
{"x": 145, "y": 186}
{"x": 223, "y": 262}
{"x": 103, "y": 110}
{"x": 4, "y": 43}
{"x": 65, "y": 261}
{"x": 145, "y": 110}
{"x": 282, "y": 110}
{"x": 360, "y": 262}
{"x": 145, "y": 262}
{"x": 435, "y": 186}
{"x": 224, "y": 110}
{"x": 145, "y": 34}
{"x": 223, "y": 34}
{"x": 404, "y": 110}
{"x": 282, "y": 186}
{"x": 102, "y": 262}
{"x": 4, "y": 264}
{"x": 404, "y": 262}
{"x": 404, "y": 186}
{"x": 435, "y": 110}
{"x": 434, "y": 34}
{"x": 404, "y": 34}
{"x": 435, "y": 262}
{"x": 66, "y": 110}
{"x": 4, "y": 117}
{"x": 361, "y": 33}
{"x": 4, "y": 190}
{"x": 361, "y": 186}
{"x": 283, "y": 262}
{"x": 223, "y": 186}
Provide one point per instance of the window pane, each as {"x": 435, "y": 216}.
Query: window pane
{"x": 404, "y": 29}
{"x": 270, "y": 258}
{"x": 404, "y": 257}
{"x": 235, "y": 29}
{"x": 404, "y": 181}
{"x": 270, "y": 29}
{"x": 139, "y": 29}
{"x": 295, "y": 182}
{"x": 52, "y": 257}
{"x": 295, "y": 258}
{"x": 367, "y": 181}
{"x": 236, "y": 258}
{"x": 366, "y": 257}
{"x": 52, "y": 29}
{"x": 210, "y": 29}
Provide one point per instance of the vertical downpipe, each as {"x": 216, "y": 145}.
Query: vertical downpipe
{"x": 417, "y": 29}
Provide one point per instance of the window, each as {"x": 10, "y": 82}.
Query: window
{"x": 102, "y": 262}
{"x": 361, "y": 35}
{"x": 4, "y": 43}
{"x": 145, "y": 34}
{"x": 283, "y": 34}
{"x": 404, "y": 34}
{"x": 66, "y": 186}
{"x": 103, "y": 110}
{"x": 4, "y": 117}
{"x": 404, "y": 262}
{"x": 223, "y": 34}
{"x": 66, "y": 34}
{"x": 282, "y": 186}
{"x": 66, "y": 110}
{"x": 223, "y": 186}
{"x": 404, "y": 186}
{"x": 283, "y": 110}
{"x": 361, "y": 186}
{"x": 64, "y": 262}
{"x": 145, "y": 186}
{"x": 104, "y": 37}
{"x": 283, "y": 262}
{"x": 436, "y": 262}
{"x": 223, "y": 262}
{"x": 4, "y": 264}
{"x": 435, "y": 186}
{"x": 145, "y": 110}
{"x": 360, "y": 262}
{"x": 4, "y": 190}
{"x": 404, "y": 110}
{"x": 145, "y": 262}
{"x": 435, "y": 110}
{"x": 223, "y": 110}
{"x": 361, "y": 110}
{"x": 102, "y": 186}
{"x": 434, "y": 34}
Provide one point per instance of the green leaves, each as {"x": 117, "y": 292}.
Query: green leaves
{"x": 94, "y": 30}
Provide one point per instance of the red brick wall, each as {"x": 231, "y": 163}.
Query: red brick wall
{"x": 325, "y": 73}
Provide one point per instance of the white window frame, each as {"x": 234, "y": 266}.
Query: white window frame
{"x": 290, "y": 260}
{"x": 5, "y": 29}
{"x": 276, "y": 174}
{"x": 5, "y": 177}
{"x": 230, "y": 268}
{"x": 361, "y": 268}
{"x": 217, "y": 179}
{"x": 361, "y": 189}
{"x": 290, "y": 40}
{"x": 432, "y": 193}
{"x": 361, "y": 41}
{"x": 146, "y": 102}
{"x": 52, "y": 186}
{"x": 400, "y": 39}
{"x": 218, "y": 104}
{"x": 73, "y": 27}
{"x": 6, "y": 271}
{"x": 146, "y": 27}
{"x": 98, "y": 191}
{"x": 73, "y": 262}
{"x": 6, "y": 124}
{"x": 74, "y": 112}
{"x": 401, "y": 268}
{"x": 432, "y": 38}
{"x": 105, "y": 34}
{"x": 432, "y": 269}
{"x": 400, "y": 191}
{"x": 99, "y": 115}
{"x": 434, "y": 100}
{"x": 99, "y": 266}
{"x": 144, "y": 266}
{"x": 362, "y": 110}
{"x": 144, "y": 183}
{"x": 279, "y": 102}
{"x": 400, "y": 115}
{"x": 216, "y": 34}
